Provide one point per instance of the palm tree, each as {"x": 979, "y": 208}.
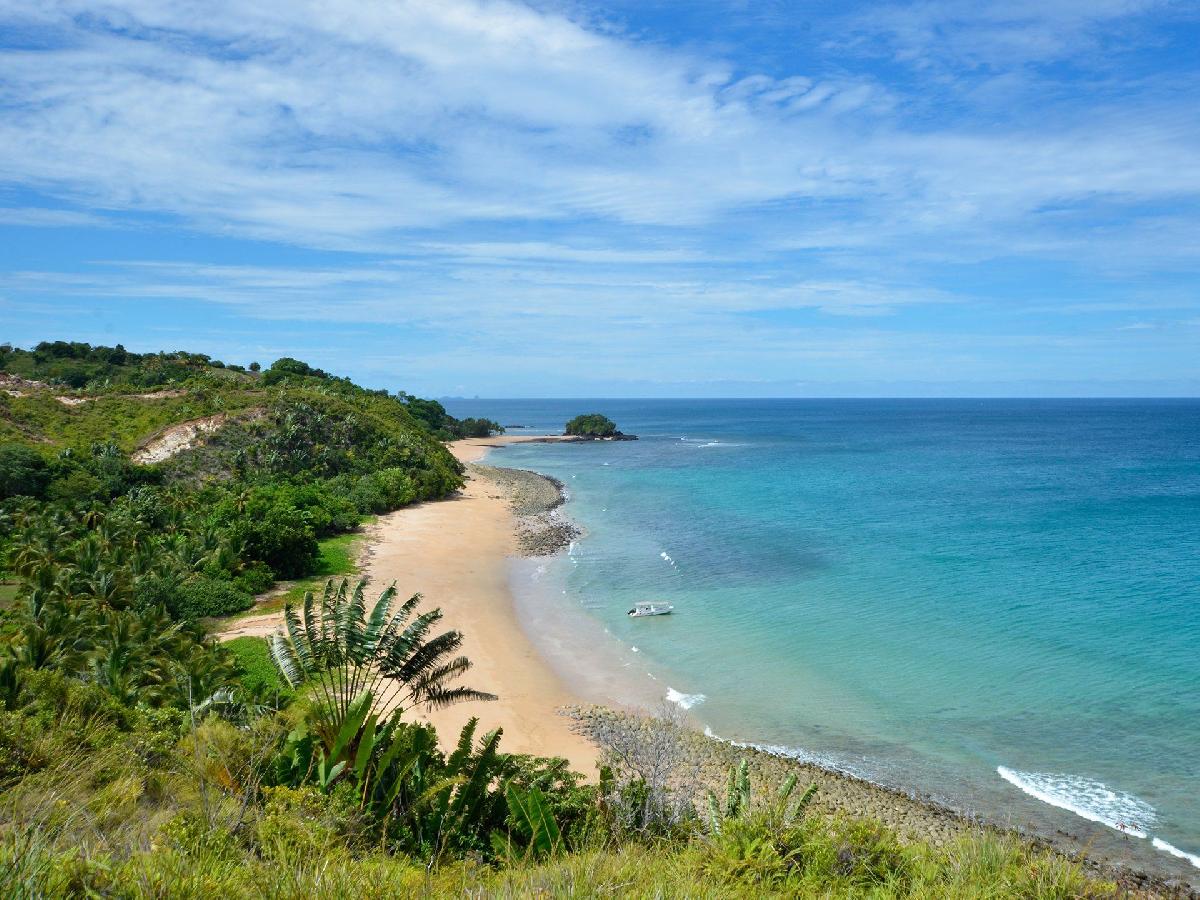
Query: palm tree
{"x": 344, "y": 652}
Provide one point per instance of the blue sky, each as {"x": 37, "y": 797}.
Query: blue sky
{"x": 703, "y": 198}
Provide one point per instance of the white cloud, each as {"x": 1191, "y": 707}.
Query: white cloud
{"x": 352, "y": 125}
{"x": 510, "y": 180}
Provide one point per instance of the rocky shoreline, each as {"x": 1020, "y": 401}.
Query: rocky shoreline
{"x": 535, "y": 499}
{"x": 704, "y": 763}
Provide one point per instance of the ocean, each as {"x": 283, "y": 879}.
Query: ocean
{"x": 995, "y": 603}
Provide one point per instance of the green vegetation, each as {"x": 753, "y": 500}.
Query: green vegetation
{"x": 139, "y": 758}
{"x": 441, "y": 423}
{"x": 297, "y": 456}
{"x": 335, "y": 557}
{"x": 254, "y": 669}
{"x": 77, "y": 365}
{"x": 106, "y": 800}
{"x": 592, "y": 425}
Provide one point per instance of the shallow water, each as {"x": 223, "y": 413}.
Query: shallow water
{"x": 997, "y": 602}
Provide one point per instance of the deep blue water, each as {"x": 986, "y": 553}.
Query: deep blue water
{"x": 991, "y": 600}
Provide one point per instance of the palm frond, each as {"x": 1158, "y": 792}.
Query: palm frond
{"x": 285, "y": 660}
{"x": 427, "y": 655}
{"x": 440, "y": 698}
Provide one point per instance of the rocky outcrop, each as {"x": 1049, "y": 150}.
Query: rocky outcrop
{"x": 541, "y": 528}
{"x": 177, "y": 438}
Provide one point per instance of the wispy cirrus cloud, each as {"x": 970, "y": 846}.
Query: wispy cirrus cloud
{"x": 464, "y": 167}
{"x": 300, "y": 123}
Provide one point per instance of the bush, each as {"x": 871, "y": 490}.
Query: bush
{"x": 592, "y": 425}
{"x": 77, "y": 487}
{"x": 255, "y": 578}
{"x": 22, "y": 472}
{"x": 297, "y": 824}
{"x": 278, "y": 535}
{"x": 478, "y": 428}
{"x": 383, "y": 491}
{"x": 200, "y": 597}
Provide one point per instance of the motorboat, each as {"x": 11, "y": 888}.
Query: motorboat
{"x": 651, "y": 608}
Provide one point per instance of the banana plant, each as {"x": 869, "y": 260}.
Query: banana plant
{"x": 530, "y": 817}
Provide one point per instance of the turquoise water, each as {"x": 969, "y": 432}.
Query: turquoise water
{"x": 989, "y": 601}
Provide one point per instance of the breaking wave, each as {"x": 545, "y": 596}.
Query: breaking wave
{"x": 682, "y": 700}
{"x": 1175, "y": 851}
{"x": 1088, "y": 799}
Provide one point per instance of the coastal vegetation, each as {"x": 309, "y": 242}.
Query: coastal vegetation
{"x": 591, "y": 425}
{"x": 139, "y": 757}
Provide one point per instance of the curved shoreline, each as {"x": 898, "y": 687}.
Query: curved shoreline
{"x": 906, "y": 811}
{"x": 460, "y": 554}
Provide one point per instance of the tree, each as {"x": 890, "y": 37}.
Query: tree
{"x": 592, "y": 425}
{"x": 478, "y": 428}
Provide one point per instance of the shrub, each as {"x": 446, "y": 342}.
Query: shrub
{"x": 299, "y": 823}
{"x": 279, "y": 536}
{"x": 77, "y": 487}
{"x": 478, "y": 428}
{"x": 255, "y": 578}
{"x": 201, "y": 597}
{"x": 22, "y": 472}
{"x": 193, "y": 836}
{"x": 383, "y": 491}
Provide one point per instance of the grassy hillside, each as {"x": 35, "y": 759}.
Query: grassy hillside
{"x": 102, "y": 799}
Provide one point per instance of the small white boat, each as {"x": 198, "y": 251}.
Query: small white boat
{"x": 651, "y": 608}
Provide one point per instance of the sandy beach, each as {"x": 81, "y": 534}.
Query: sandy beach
{"x": 456, "y": 553}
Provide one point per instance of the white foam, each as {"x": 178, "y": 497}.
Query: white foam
{"x": 538, "y": 573}
{"x": 682, "y": 700}
{"x": 1088, "y": 799}
{"x": 1175, "y": 851}
{"x": 805, "y": 756}
{"x": 635, "y": 649}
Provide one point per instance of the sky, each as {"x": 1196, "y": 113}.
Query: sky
{"x": 628, "y": 198}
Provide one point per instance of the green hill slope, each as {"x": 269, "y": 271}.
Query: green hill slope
{"x": 222, "y": 479}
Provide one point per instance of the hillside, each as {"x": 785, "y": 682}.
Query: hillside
{"x": 249, "y": 469}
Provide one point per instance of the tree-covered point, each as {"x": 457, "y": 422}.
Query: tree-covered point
{"x": 444, "y": 425}
{"x": 592, "y": 425}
